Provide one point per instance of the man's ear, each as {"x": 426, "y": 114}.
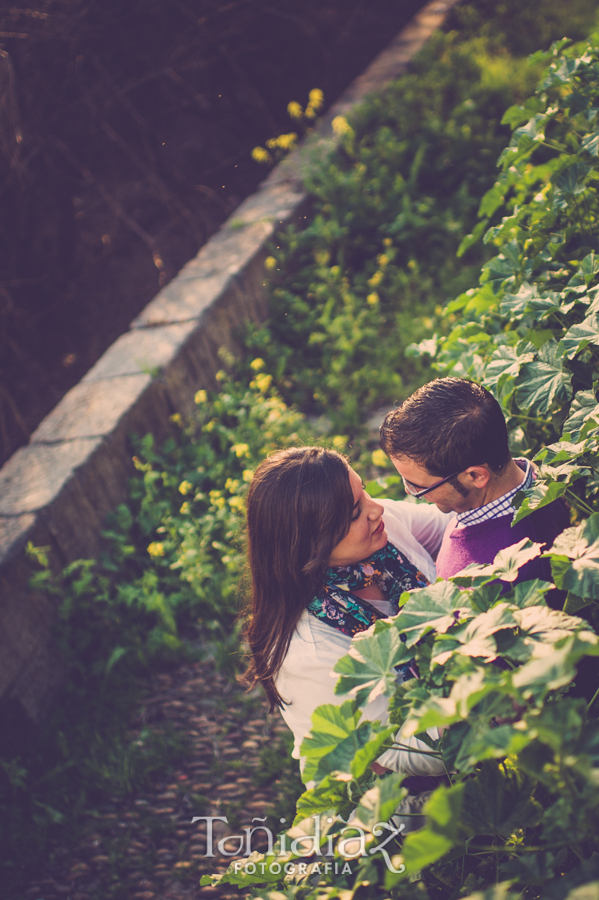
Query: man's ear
{"x": 477, "y": 476}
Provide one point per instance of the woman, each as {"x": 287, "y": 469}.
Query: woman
{"x": 325, "y": 565}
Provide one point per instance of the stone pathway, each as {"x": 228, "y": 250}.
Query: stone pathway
{"x": 237, "y": 766}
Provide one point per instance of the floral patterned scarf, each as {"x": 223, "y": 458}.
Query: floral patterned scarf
{"x": 341, "y": 609}
{"x": 336, "y": 605}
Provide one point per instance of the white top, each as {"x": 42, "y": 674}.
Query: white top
{"x": 306, "y": 678}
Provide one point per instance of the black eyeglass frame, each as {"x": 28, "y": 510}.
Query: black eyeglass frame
{"x": 433, "y": 487}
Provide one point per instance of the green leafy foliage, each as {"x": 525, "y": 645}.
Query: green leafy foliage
{"x": 349, "y": 293}
{"x": 496, "y": 664}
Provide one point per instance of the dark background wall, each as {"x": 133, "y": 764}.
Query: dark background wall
{"x": 125, "y": 138}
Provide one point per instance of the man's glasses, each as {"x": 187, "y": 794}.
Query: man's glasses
{"x": 433, "y": 487}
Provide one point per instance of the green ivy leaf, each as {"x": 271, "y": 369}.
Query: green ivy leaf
{"x": 581, "y": 546}
{"x": 583, "y": 407}
{"x": 435, "y": 608}
{"x": 368, "y": 669}
{"x": 505, "y": 566}
{"x": 378, "y": 804}
{"x": 539, "y": 495}
{"x": 331, "y": 725}
{"x": 498, "y": 802}
{"x": 579, "y": 337}
{"x": 543, "y": 382}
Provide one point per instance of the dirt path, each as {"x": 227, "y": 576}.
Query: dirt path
{"x": 236, "y": 765}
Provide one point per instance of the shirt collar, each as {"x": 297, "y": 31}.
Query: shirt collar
{"x": 502, "y": 505}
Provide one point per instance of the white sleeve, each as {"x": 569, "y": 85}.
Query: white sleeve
{"x": 424, "y": 521}
{"x": 307, "y": 680}
{"x": 416, "y": 758}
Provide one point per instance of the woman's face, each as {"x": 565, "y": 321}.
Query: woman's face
{"x": 367, "y": 531}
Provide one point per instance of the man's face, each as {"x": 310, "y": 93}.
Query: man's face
{"x": 445, "y": 497}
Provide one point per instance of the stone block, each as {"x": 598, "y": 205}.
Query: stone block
{"x": 35, "y": 475}
{"x": 142, "y": 351}
{"x": 91, "y": 409}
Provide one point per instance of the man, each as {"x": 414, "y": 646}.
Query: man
{"x": 449, "y": 443}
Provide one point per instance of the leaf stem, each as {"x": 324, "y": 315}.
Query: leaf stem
{"x": 590, "y": 703}
{"x": 531, "y": 419}
{"x": 579, "y": 504}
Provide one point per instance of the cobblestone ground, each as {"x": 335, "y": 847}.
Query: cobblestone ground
{"x": 236, "y": 766}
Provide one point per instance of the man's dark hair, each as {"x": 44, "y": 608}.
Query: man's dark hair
{"x": 446, "y": 426}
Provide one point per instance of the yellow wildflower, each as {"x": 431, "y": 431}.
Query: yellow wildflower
{"x": 217, "y": 499}
{"x": 176, "y": 418}
{"x": 257, "y": 364}
{"x": 270, "y": 263}
{"x": 294, "y": 110}
{"x": 241, "y": 450}
{"x": 247, "y": 475}
{"x": 231, "y": 484}
{"x": 260, "y": 155}
{"x": 387, "y": 242}
{"x": 382, "y": 260}
{"x": 372, "y": 299}
{"x": 316, "y": 98}
{"x": 156, "y": 549}
{"x": 376, "y": 279}
{"x": 185, "y": 508}
{"x": 341, "y": 126}
{"x": 263, "y": 382}
{"x": 237, "y": 502}
{"x": 284, "y": 141}
{"x": 200, "y": 397}
{"x": 340, "y": 441}
{"x": 379, "y": 458}
{"x": 185, "y": 487}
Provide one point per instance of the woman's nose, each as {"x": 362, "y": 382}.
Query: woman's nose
{"x": 376, "y": 510}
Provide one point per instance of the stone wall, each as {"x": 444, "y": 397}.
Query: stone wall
{"x": 57, "y": 490}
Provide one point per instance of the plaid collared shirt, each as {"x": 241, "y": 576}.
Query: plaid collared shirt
{"x": 500, "y": 507}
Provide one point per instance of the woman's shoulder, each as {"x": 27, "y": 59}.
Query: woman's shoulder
{"x": 314, "y": 638}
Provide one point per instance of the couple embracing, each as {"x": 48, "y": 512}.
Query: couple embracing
{"x": 327, "y": 560}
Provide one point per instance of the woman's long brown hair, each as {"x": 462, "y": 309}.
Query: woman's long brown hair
{"x": 299, "y": 507}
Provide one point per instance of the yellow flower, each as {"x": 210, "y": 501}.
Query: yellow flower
{"x": 263, "y": 382}
{"x": 382, "y": 260}
{"x": 156, "y": 549}
{"x": 387, "y": 242}
{"x": 176, "y": 418}
{"x": 185, "y": 487}
{"x": 270, "y": 263}
{"x": 372, "y": 299}
{"x": 257, "y": 364}
{"x": 241, "y": 450}
{"x": 294, "y": 110}
{"x": 340, "y": 442}
{"x": 376, "y": 279}
{"x": 284, "y": 141}
{"x": 247, "y": 475}
{"x": 200, "y": 397}
{"x": 237, "y": 502}
{"x": 379, "y": 458}
{"x": 217, "y": 499}
{"x": 185, "y": 509}
{"x": 231, "y": 484}
{"x": 260, "y": 155}
{"x": 341, "y": 126}
{"x": 316, "y": 98}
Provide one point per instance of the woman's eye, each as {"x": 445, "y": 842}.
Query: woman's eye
{"x": 356, "y": 515}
